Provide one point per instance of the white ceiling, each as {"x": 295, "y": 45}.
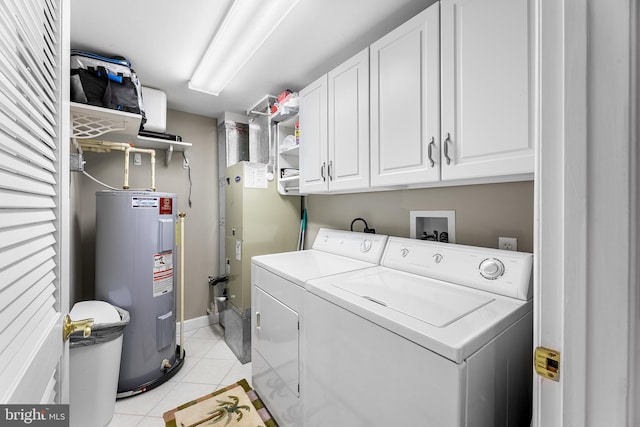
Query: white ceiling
{"x": 165, "y": 38}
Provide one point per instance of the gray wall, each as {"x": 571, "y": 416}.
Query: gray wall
{"x": 201, "y": 222}
{"x": 483, "y": 212}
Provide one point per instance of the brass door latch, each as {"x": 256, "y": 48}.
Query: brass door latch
{"x": 547, "y": 363}
{"x": 69, "y": 327}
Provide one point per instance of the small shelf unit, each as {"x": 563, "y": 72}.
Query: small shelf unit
{"x": 295, "y": 151}
{"x": 284, "y": 121}
{"x": 284, "y": 113}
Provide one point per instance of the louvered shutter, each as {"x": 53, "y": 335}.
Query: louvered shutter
{"x": 32, "y": 224}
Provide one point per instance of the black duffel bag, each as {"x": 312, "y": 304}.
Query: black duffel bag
{"x": 105, "y": 82}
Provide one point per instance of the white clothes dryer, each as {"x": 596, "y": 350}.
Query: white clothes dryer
{"x": 277, "y": 289}
{"x": 437, "y": 335}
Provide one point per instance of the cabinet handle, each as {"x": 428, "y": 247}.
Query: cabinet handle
{"x": 430, "y": 151}
{"x": 257, "y": 320}
{"x": 324, "y": 179}
{"x": 329, "y": 170}
{"x": 446, "y": 148}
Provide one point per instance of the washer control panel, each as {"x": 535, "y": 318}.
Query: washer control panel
{"x": 362, "y": 246}
{"x": 502, "y": 272}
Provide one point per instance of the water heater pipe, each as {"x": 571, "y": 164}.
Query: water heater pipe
{"x": 130, "y": 149}
{"x": 107, "y": 146}
{"x": 182, "y": 215}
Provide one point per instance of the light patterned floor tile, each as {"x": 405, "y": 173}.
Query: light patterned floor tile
{"x": 209, "y": 371}
{"x": 123, "y": 420}
{"x": 198, "y": 347}
{"x": 220, "y": 351}
{"x": 182, "y": 393}
{"x": 238, "y": 371}
{"x": 188, "y": 363}
{"x": 187, "y": 334}
{"x": 211, "y": 331}
{"x": 151, "y": 422}
{"x": 144, "y": 402}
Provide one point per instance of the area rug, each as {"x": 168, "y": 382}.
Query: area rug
{"x": 236, "y": 405}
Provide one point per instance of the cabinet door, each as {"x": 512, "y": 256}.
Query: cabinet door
{"x": 405, "y": 102}
{"x": 313, "y": 137}
{"x": 486, "y": 88}
{"x": 348, "y": 167}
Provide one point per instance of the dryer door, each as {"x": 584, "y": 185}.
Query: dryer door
{"x": 276, "y": 337}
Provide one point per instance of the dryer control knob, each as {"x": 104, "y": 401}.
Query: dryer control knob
{"x": 365, "y": 245}
{"x": 491, "y": 268}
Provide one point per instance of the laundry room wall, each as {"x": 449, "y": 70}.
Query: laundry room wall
{"x": 201, "y": 222}
{"x": 483, "y": 212}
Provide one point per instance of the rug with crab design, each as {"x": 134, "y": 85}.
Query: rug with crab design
{"x": 236, "y": 405}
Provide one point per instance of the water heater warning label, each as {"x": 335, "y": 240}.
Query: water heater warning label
{"x": 162, "y": 274}
{"x": 166, "y": 206}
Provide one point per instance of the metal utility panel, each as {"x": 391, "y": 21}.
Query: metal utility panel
{"x": 261, "y": 145}
{"x": 236, "y": 137}
{"x": 135, "y": 265}
{"x": 258, "y": 221}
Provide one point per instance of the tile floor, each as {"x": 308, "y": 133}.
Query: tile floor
{"x": 209, "y": 365}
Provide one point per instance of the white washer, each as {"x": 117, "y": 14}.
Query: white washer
{"x": 277, "y": 289}
{"x": 438, "y": 334}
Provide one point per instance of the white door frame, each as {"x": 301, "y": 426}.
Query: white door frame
{"x": 634, "y": 222}
{"x": 64, "y": 211}
{"x": 586, "y": 202}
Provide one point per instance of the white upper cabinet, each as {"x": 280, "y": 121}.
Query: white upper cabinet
{"x": 487, "y": 111}
{"x": 405, "y": 103}
{"x": 313, "y": 137}
{"x": 348, "y": 166}
{"x": 334, "y": 129}
{"x": 451, "y": 99}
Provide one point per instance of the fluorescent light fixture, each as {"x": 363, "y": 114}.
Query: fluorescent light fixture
{"x": 247, "y": 25}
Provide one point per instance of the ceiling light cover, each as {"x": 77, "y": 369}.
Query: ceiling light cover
{"x": 245, "y": 28}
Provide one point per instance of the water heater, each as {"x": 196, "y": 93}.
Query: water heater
{"x": 136, "y": 262}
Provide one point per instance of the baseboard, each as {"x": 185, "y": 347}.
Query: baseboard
{"x": 198, "y": 322}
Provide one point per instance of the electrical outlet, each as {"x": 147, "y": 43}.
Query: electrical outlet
{"x": 185, "y": 163}
{"x": 508, "y": 243}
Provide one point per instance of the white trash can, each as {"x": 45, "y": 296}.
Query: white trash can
{"x": 94, "y": 363}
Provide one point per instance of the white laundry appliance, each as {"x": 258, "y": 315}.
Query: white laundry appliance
{"x": 277, "y": 294}
{"x": 437, "y": 335}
